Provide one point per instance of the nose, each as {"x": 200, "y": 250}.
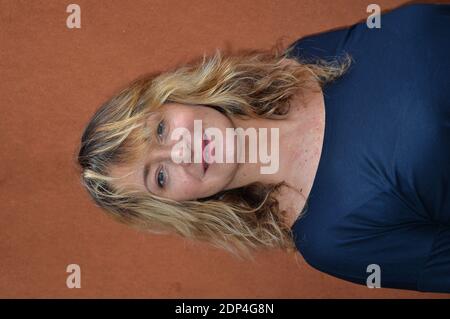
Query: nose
{"x": 174, "y": 152}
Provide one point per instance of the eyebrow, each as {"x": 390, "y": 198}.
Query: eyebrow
{"x": 146, "y": 171}
{"x": 154, "y": 118}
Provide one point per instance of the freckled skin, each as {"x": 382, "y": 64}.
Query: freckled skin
{"x": 183, "y": 181}
{"x": 300, "y": 142}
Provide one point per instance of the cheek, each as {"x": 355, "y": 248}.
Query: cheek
{"x": 187, "y": 188}
{"x": 184, "y": 119}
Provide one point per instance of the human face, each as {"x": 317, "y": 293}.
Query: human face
{"x": 158, "y": 173}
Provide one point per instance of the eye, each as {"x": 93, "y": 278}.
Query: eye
{"x": 160, "y": 178}
{"x": 160, "y": 129}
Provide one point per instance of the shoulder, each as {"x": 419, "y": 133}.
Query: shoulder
{"x": 415, "y": 20}
{"x": 319, "y": 45}
{"x": 323, "y": 251}
{"x": 374, "y": 234}
{"x": 418, "y": 10}
{"x": 405, "y": 23}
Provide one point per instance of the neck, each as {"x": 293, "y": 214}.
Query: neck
{"x": 296, "y": 146}
{"x": 249, "y": 172}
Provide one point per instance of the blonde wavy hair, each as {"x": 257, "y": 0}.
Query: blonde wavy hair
{"x": 247, "y": 84}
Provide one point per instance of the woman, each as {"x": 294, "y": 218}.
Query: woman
{"x": 363, "y": 117}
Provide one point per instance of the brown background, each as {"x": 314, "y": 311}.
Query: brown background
{"x": 54, "y": 78}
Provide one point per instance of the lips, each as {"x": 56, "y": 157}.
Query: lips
{"x": 204, "y": 143}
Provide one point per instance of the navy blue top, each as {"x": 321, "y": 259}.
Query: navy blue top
{"x": 381, "y": 194}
